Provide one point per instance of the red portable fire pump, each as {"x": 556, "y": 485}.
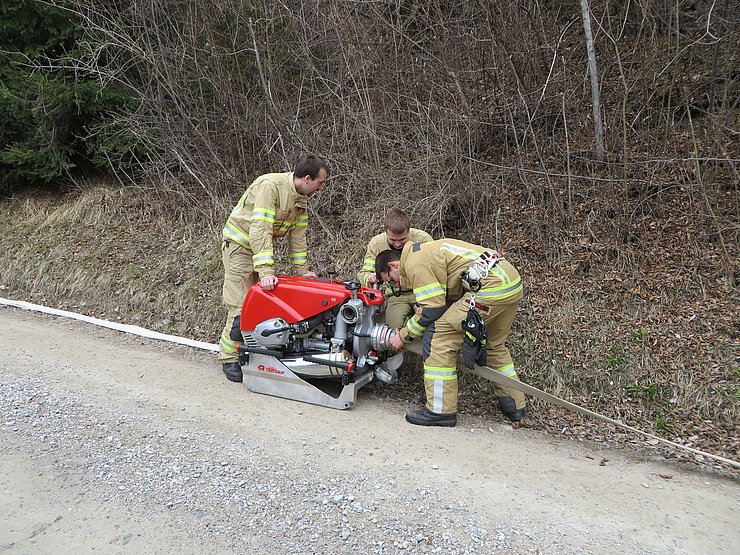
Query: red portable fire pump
{"x": 311, "y": 328}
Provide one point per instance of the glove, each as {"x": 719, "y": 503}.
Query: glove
{"x": 474, "y": 340}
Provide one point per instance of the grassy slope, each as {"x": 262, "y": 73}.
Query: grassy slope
{"x": 646, "y": 333}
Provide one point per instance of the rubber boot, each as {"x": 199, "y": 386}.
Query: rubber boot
{"x": 425, "y": 417}
{"x": 507, "y": 405}
{"x": 233, "y": 371}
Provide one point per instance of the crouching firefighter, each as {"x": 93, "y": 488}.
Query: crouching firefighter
{"x": 469, "y": 297}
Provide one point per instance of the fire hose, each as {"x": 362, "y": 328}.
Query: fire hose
{"x": 505, "y": 381}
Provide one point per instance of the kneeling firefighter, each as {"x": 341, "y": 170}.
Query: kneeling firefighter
{"x": 469, "y": 297}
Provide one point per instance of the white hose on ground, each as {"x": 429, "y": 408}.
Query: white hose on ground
{"x": 126, "y": 328}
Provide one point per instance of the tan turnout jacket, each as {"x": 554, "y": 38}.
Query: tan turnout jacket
{"x": 433, "y": 270}
{"x": 378, "y": 244}
{"x": 269, "y": 209}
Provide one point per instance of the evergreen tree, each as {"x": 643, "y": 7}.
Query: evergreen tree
{"x": 47, "y": 106}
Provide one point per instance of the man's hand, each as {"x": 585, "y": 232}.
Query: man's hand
{"x": 268, "y": 282}
{"x": 372, "y": 278}
{"x": 396, "y": 343}
{"x": 310, "y": 275}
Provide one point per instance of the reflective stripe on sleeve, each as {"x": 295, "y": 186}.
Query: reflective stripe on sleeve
{"x": 302, "y": 220}
{"x": 265, "y": 214}
{"x": 262, "y": 258}
{"x": 282, "y": 227}
{"x": 428, "y": 291}
{"x": 413, "y": 327}
{"x": 368, "y": 265}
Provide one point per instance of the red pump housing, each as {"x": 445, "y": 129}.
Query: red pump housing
{"x": 296, "y": 298}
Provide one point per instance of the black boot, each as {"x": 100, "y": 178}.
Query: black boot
{"x": 233, "y": 371}
{"x": 425, "y": 417}
{"x": 507, "y": 405}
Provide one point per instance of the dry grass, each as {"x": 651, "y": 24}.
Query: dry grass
{"x": 116, "y": 256}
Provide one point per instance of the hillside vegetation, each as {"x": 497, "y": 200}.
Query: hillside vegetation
{"x": 478, "y": 119}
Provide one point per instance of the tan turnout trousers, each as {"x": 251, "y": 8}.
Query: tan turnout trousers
{"x": 440, "y": 367}
{"x": 239, "y": 276}
{"x": 399, "y": 309}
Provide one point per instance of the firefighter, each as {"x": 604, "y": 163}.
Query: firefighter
{"x": 273, "y": 206}
{"x": 400, "y": 304}
{"x": 444, "y": 276}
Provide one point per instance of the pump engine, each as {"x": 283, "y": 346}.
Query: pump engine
{"x": 312, "y": 328}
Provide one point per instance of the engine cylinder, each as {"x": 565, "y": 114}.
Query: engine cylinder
{"x": 272, "y": 333}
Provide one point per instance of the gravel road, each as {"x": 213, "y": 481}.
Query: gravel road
{"x": 116, "y": 444}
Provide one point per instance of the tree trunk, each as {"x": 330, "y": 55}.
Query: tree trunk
{"x": 595, "y": 95}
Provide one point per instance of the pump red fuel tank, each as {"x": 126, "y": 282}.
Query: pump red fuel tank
{"x": 296, "y": 298}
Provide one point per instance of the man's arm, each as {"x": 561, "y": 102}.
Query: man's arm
{"x": 366, "y": 276}
{"x": 297, "y": 244}
{"x": 429, "y": 282}
{"x": 261, "y": 227}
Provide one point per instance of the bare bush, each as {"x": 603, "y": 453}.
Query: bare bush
{"x": 436, "y": 99}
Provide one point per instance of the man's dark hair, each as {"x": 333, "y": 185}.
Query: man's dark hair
{"x": 397, "y": 221}
{"x": 310, "y": 164}
{"x": 382, "y": 260}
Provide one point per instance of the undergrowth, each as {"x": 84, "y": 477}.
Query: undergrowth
{"x": 647, "y": 337}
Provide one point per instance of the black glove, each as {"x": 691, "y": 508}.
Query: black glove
{"x": 474, "y": 341}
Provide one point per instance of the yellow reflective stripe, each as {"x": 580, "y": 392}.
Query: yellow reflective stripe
{"x": 368, "y": 265}
{"x": 474, "y": 340}
{"x": 429, "y": 291}
{"x": 302, "y": 220}
{"x": 460, "y": 251}
{"x": 227, "y": 345}
{"x": 262, "y": 258}
{"x": 501, "y": 274}
{"x": 299, "y": 257}
{"x": 282, "y": 226}
{"x": 502, "y": 291}
{"x": 235, "y": 234}
{"x": 265, "y": 214}
{"x": 508, "y": 370}
{"x": 439, "y": 373}
{"x": 414, "y": 328}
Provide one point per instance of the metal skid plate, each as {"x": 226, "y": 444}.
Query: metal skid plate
{"x": 270, "y": 376}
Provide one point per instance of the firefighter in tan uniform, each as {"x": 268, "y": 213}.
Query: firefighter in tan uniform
{"x": 400, "y": 303}
{"x": 273, "y": 206}
{"x": 434, "y": 271}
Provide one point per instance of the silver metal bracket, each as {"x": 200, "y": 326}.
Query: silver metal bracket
{"x": 271, "y": 376}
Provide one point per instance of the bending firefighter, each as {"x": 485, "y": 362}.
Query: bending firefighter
{"x": 445, "y": 276}
{"x": 273, "y": 206}
{"x": 400, "y": 303}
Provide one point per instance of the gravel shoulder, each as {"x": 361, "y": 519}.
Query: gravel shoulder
{"x": 119, "y": 444}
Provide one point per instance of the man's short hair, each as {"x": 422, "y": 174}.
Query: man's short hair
{"x": 382, "y": 261}
{"x": 310, "y": 164}
{"x": 397, "y": 221}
